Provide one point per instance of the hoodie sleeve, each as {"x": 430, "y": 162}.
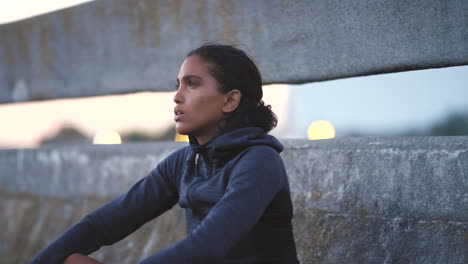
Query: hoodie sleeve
{"x": 257, "y": 177}
{"x": 147, "y": 199}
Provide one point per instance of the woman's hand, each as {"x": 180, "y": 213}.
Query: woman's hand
{"x": 80, "y": 259}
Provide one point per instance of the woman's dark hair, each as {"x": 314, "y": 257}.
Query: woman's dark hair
{"x": 234, "y": 69}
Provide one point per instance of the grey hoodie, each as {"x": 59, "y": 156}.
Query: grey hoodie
{"x": 235, "y": 193}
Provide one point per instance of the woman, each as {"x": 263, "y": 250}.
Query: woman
{"x": 230, "y": 180}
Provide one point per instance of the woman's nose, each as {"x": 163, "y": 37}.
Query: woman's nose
{"x": 177, "y": 97}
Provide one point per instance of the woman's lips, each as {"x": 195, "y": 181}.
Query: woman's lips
{"x": 177, "y": 117}
{"x": 177, "y": 114}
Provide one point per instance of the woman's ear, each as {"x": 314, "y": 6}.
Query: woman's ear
{"x": 232, "y": 100}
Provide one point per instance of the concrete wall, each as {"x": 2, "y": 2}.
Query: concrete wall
{"x": 120, "y": 46}
{"x": 356, "y": 200}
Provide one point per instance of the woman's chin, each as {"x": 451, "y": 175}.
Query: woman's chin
{"x": 180, "y": 129}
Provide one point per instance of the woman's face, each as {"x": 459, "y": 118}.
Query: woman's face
{"x": 199, "y": 103}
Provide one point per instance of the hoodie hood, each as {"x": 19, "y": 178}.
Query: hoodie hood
{"x": 226, "y": 145}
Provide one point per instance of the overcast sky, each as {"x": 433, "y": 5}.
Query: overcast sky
{"x": 14, "y": 10}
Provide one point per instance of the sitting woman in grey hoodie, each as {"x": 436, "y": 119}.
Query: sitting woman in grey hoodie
{"x": 230, "y": 180}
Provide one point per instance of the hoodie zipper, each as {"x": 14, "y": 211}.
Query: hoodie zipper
{"x": 209, "y": 169}
{"x": 190, "y": 188}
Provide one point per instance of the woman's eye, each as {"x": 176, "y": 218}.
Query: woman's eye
{"x": 192, "y": 83}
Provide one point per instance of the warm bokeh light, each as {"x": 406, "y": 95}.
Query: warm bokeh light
{"x": 181, "y": 138}
{"x": 107, "y": 137}
{"x": 321, "y": 130}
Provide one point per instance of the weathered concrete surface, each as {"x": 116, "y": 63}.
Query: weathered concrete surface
{"x": 380, "y": 200}
{"x": 356, "y": 200}
{"x": 120, "y": 46}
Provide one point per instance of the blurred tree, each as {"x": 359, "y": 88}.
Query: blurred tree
{"x": 66, "y": 134}
{"x": 456, "y": 124}
{"x": 168, "y": 135}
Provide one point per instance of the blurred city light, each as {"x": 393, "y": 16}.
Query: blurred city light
{"x": 320, "y": 130}
{"x": 181, "y": 138}
{"x": 107, "y": 137}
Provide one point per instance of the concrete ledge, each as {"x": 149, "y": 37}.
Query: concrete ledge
{"x": 121, "y": 46}
{"x": 356, "y": 200}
